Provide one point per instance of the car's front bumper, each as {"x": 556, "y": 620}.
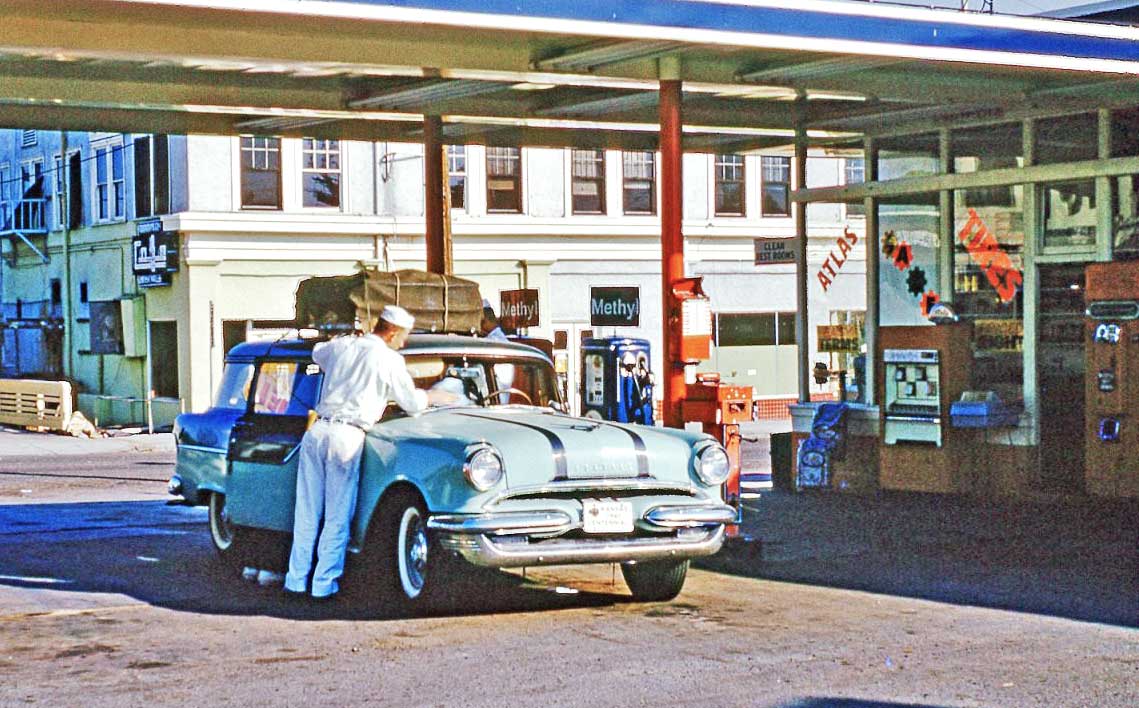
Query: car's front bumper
{"x": 515, "y": 539}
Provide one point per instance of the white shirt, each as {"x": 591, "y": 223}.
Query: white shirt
{"x": 361, "y": 374}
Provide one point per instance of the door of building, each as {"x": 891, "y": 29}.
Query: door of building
{"x": 570, "y": 357}
{"x": 1061, "y": 371}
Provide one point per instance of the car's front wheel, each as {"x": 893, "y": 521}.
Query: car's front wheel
{"x": 409, "y": 564}
{"x": 655, "y": 581}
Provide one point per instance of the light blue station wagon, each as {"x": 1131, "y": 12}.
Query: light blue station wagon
{"x": 506, "y": 480}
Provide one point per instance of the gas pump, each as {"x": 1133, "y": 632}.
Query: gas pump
{"x": 617, "y": 380}
{"x": 720, "y": 408}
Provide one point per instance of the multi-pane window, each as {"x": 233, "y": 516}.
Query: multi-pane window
{"x": 775, "y": 199}
{"x": 260, "y": 172}
{"x": 30, "y": 173}
{"x": 110, "y": 187}
{"x": 320, "y": 172}
{"x": 755, "y": 329}
{"x": 730, "y": 185}
{"x": 151, "y": 175}
{"x": 854, "y": 171}
{"x": 504, "y": 179}
{"x": 457, "y": 175}
{"x": 59, "y": 205}
{"x": 587, "y": 185}
{"x": 639, "y": 182}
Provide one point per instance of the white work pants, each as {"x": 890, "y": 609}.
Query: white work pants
{"x": 328, "y": 476}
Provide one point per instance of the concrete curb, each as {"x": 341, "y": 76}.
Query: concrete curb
{"x": 18, "y": 444}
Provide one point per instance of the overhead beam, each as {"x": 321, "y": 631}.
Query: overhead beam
{"x": 598, "y": 54}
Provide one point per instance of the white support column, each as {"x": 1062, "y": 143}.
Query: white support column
{"x": 802, "y": 314}
{"x": 1031, "y": 286}
{"x": 873, "y": 266}
{"x": 945, "y": 241}
{"x": 1104, "y": 199}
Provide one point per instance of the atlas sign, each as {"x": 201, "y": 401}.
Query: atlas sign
{"x": 615, "y": 307}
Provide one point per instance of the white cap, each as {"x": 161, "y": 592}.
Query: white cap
{"x": 486, "y": 304}
{"x": 398, "y": 316}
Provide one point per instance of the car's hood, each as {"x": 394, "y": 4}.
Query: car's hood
{"x": 541, "y": 446}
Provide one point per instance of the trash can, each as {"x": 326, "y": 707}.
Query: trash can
{"x": 781, "y": 462}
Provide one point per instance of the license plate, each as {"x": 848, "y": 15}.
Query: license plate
{"x": 600, "y": 516}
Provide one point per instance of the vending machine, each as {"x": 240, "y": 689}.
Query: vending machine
{"x": 617, "y": 380}
{"x": 924, "y": 370}
{"x": 1112, "y": 388}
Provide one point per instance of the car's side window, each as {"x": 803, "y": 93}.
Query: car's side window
{"x": 286, "y": 388}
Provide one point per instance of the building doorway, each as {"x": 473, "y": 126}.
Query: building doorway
{"x": 1061, "y": 374}
{"x": 164, "y": 359}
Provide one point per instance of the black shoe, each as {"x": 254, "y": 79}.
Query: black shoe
{"x": 293, "y": 596}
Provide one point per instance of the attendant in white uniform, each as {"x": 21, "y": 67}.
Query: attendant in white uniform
{"x": 361, "y": 374}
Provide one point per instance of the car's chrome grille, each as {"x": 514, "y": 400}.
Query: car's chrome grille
{"x": 590, "y": 489}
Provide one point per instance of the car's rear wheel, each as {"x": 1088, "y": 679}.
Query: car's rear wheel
{"x": 228, "y": 539}
{"x": 655, "y": 581}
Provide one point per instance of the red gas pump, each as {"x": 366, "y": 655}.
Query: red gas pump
{"x": 720, "y": 408}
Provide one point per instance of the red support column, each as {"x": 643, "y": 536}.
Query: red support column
{"x": 434, "y": 233}
{"x": 671, "y": 249}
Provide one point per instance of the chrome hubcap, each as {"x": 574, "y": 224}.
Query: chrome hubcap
{"x": 416, "y": 552}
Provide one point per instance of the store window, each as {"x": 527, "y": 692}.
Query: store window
{"x": 1069, "y": 215}
{"x": 260, "y": 172}
{"x": 775, "y": 195}
{"x": 988, "y": 266}
{"x": 730, "y": 188}
{"x": 457, "y": 175}
{"x": 854, "y": 172}
{"x": 504, "y": 180}
{"x": 908, "y": 239}
{"x": 987, "y": 147}
{"x": 1126, "y": 218}
{"x": 1066, "y": 139}
{"x": 320, "y": 172}
{"x": 909, "y": 156}
{"x": 639, "y": 182}
{"x": 1125, "y": 132}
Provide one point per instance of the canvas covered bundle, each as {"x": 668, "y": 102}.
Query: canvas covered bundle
{"x": 440, "y": 303}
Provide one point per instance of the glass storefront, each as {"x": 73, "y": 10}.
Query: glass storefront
{"x": 908, "y": 277}
{"x": 988, "y": 268}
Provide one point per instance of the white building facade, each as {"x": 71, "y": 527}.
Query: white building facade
{"x": 250, "y": 216}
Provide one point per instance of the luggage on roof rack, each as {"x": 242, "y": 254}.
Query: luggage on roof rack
{"x": 440, "y": 303}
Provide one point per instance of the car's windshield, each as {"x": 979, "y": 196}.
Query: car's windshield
{"x": 234, "y": 389}
{"x": 487, "y": 381}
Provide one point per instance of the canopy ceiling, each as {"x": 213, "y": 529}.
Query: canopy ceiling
{"x": 580, "y": 73}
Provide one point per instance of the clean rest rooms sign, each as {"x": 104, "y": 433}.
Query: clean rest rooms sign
{"x": 615, "y": 307}
{"x": 769, "y": 251}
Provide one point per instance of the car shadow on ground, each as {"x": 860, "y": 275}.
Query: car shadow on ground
{"x": 1075, "y": 558}
{"x": 160, "y": 554}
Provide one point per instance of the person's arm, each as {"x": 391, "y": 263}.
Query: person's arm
{"x": 403, "y": 390}
{"x": 320, "y": 353}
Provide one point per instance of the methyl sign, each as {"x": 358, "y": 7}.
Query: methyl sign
{"x": 615, "y": 306}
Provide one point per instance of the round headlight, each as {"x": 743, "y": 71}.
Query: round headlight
{"x": 483, "y": 468}
{"x": 712, "y": 465}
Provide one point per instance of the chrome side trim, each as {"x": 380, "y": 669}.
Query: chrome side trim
{"x": 482, "y": 550}
{"x": 202, "y": 448}
{"x": 687, "y": 516}
{"x": 537, "y": 522}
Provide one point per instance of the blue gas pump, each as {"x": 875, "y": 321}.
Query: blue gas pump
{"x": 617, "y": 380}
